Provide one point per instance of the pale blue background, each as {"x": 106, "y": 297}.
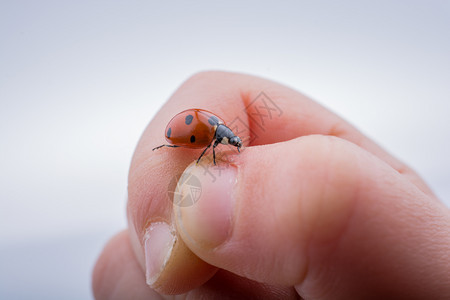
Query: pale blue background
{"x": 80, "y": 80}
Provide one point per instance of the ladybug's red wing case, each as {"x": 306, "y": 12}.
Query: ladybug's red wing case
{"x": 197, "y": 128}
{"x": 193, "y": 128}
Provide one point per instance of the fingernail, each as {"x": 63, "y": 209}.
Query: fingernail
{"x": 204, "y": 203}
{"x": 159, "y": 240}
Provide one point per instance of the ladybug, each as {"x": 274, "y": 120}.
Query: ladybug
{"x": 198, "y": 128}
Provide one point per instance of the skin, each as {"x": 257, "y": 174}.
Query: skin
{"x": 319, "y": 211}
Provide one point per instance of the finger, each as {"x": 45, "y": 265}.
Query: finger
{"x": 169, "y": 266}
{"x": 226, "y": 285}
{"x": 237, "y": 99}
{"x": 117, "y": 275}
{"x": 321, "y": 214}
{"x": 264, "y": 111}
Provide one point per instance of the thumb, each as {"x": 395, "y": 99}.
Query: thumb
{"x": 321, "y": 214}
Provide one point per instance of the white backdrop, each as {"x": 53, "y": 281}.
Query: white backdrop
{"x": 79, "y": 81}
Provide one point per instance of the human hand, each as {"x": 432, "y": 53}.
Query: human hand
{"x": 310, "y": 208}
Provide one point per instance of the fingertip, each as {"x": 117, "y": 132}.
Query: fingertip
{"x": 117, "y": 274}
{"x": 183, "y": 271}
{"x": 204, "y": 203}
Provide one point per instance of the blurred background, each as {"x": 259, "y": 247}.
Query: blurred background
{"x": 80, "y": 80}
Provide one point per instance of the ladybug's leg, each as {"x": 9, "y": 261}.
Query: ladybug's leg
{"x": 203, "y": 153}
{"x": 172, "y": 146}
{"x": 214, "y": 151}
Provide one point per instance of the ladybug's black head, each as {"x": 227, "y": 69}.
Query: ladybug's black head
{"x": 235, "y": 141}
{"x": 225, "y": 136}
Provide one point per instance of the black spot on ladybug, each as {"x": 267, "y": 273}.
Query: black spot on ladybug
{"x": 213, "y": 120}
{"x": 169, "y": 132}
{"x": 192, "y": 138}
{"x": 188, "y": 119}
